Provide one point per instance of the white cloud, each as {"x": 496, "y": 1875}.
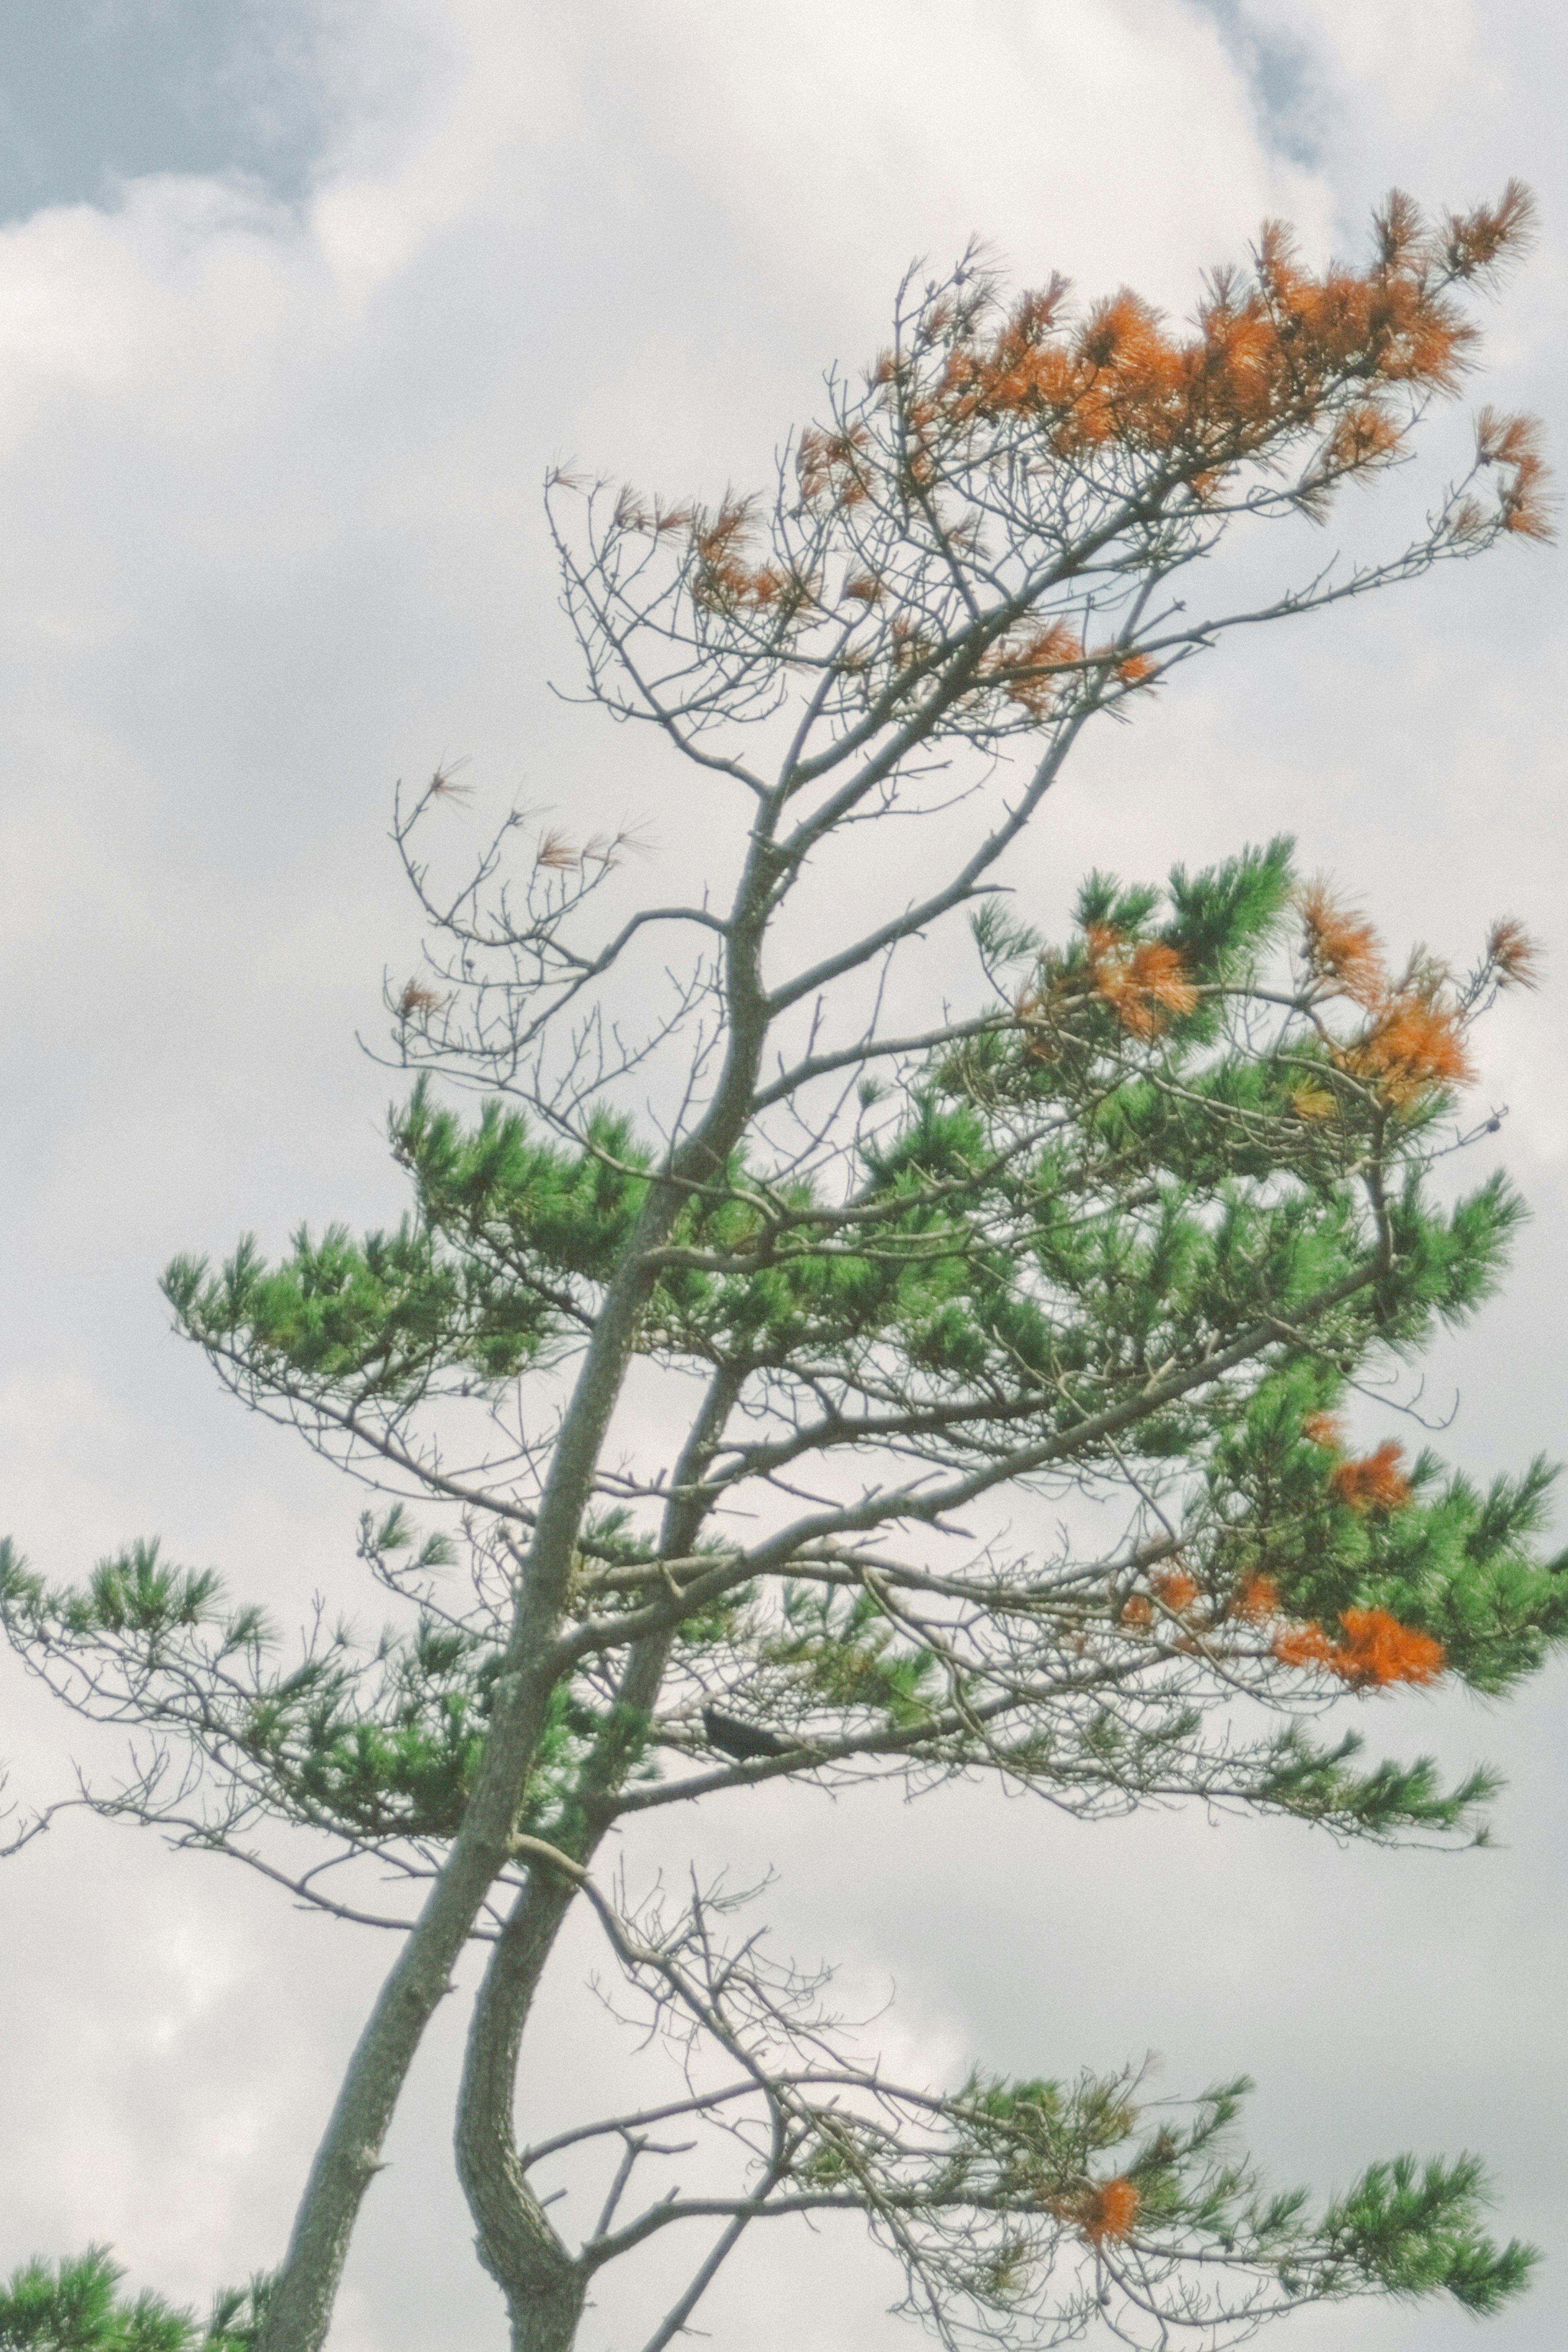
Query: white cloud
{"x": 270, "y": 476}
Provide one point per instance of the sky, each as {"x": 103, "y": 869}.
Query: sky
{"x": 297, "y": 304}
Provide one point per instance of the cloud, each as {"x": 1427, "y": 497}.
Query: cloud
{"x": 270, "y": 463}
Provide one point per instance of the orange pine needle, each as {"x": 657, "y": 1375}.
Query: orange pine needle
{"x": 1258, "y": 1601}
{"x": 1143, "y": 983}
{"x": 1176, "y": 1588}
{"x": 1304, "y": 1646}
{"x": 1031, "y": 667}
{"x": 1376, "y": 1650}
{"x": 1375, "y": 1483}
{"x": 1513, "y": 955}
{"x": 1110, "y": 2211}
{"x": 1343, "y": 949}
{"x": 1414, "y": 1045}
{"x": 1324, "y": 1429}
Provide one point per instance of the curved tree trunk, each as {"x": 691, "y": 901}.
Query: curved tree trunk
{"x": 543, "y": 2286}
{"x": 300, "y": 2309}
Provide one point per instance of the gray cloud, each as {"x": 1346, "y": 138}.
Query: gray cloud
{"x": 270, "y": 455}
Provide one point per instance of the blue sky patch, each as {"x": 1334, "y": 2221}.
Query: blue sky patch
{"x": 93, "y": 92}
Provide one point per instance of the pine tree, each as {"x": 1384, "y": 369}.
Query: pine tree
{"x": 1127, "y": 1238}
{"x": 77, "y": 2306}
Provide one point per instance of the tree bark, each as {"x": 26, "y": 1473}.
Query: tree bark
{"x": 543, "y": 2286}
{"x": 513, "y": 2236}
{"x": 349, "y": 2157}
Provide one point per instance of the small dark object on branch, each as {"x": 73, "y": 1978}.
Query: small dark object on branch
{"x": 743, "y": 1740}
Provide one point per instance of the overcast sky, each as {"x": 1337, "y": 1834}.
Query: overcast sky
{"x": 298, "y": 302}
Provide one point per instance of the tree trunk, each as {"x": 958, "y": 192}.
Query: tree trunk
{"x": 513, "y": 2238}
{"x": 348, "y": 2157}
{"x": 550, "y": 2321}
{"x": 543, "y": 2286}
